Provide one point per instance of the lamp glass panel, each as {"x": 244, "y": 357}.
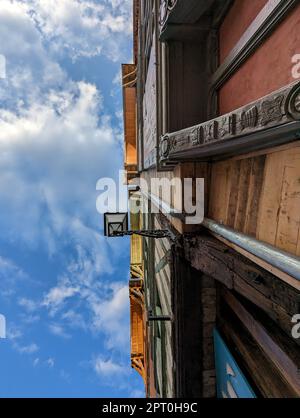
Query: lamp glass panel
{"x": 115, "y": 227}
{"x": 115, "y": 222}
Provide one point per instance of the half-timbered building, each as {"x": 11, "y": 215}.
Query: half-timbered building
{"x": 214, "y": 93}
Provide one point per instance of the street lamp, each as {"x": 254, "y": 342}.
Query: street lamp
{"x": 116, "y": 225}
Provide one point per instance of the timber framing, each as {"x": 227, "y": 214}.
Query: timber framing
{"x": 137, "y": 305}
{"x": 237, "y": 273}
{"x": 282, "y": 351}
{"x": 194, "y": 301}
{"x": 261, "y": 372}
{"x": 269, "y": 121}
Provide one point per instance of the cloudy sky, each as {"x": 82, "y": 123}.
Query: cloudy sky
{"x": 63, "y": 287}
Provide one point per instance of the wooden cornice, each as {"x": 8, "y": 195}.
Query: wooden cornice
{"x": 179, "y": 18}
{"x": 269, "y": 121}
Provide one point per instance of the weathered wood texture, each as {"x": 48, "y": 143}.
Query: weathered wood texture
{"x": 283, "y": 352}
{"x": 259, "y": 369}
{"x": 186, "y": 87}
{"x": 260, "y": 196}
{"x": 194, "y": 319}
{"x": 277, "y": 299}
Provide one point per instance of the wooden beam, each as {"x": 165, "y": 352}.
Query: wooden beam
{"x": 194, "y": 307}
{"x": 277, "y": 299}
{"x": 282, "y": 351}
{"x": 251, "y": 358}
{"x": 291, "y": 281}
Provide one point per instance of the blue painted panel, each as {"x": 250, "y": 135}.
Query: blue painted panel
{"x": 231, "y": 382}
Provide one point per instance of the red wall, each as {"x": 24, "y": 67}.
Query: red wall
{"x": 240, "y": 16}
{"x": 268, "y": 69}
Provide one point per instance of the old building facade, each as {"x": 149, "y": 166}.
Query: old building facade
{"x": 214, "y": 93}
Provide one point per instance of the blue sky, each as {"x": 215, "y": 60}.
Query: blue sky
{"x": 63, "y": 286}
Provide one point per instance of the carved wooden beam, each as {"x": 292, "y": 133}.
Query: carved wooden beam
{"x": 281, "y": 350}
{"x": 277, "y": 299}
{"x": 265, "y": 375}
{"x": 272, "y": 120}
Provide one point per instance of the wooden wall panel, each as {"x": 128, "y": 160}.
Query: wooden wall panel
{"x": 254, "y": 192}
{"x": 220, "y": 191}
{"x": 259, "y": 195}
{"x": 279, "y": 217}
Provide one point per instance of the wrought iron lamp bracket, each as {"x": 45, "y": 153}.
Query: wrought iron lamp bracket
{"x": 161, "y": 233}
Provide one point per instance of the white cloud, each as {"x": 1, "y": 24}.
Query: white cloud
{"x": 111, "y": 315}
{"x": 28, "y": 304}
{"x": 11, "y": 275}
{"x": 50, "y": 362}
{"x": 14, "y": 333}
{"x": 137, "y": 393}
{"x": 74, "y": 319}
{"x": 15, "y": 336}
{"x": 57, "y": 295}
{"x": 106, "y": 305}
{"x": 52, "y": 154}
{"x": 56, "y": 140}
{"x": 9, "y": 270}
{"x": 30, "y": 68}
{"x": 65, "y": 376}
{"x": 82, "y": 27}
{"x": 108, "y": 368}
{"x": 36, "y": 362}
{"x": 27, "y": 349}
{"x": 59, "y": 331}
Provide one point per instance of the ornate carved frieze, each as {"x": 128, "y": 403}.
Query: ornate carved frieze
{"x": 271, "y": 110}
{"x": 275, "y": 110}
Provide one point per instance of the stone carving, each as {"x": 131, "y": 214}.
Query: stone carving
{"x": 165, "y": 145}
{"x": 209, "y": 132}
{"x": 195, "y": 136}
{"x": 227, "y": 125}
{"x": 271, "y": 110}
{"x": 297, "y": 103}
{"x": 294, "y": 104}
{"x": 279, "y": 108}
{"x": 249, "y": 118}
